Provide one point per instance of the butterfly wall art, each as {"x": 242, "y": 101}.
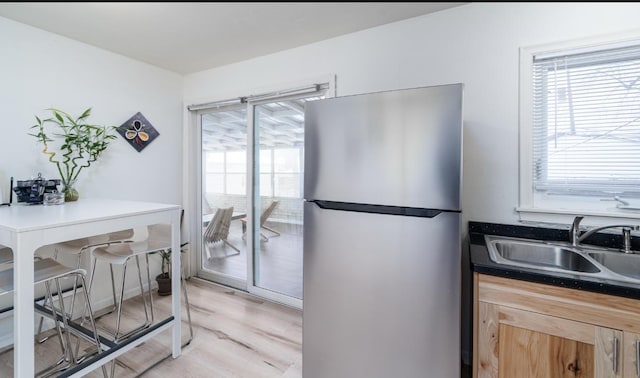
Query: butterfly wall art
{"x": 138, "y": 131}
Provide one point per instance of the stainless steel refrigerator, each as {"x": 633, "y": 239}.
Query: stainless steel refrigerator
{"x": 382, "y": 218}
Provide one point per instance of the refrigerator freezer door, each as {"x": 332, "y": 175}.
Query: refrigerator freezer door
{"x": 400, "y": 148}
{"x": 381, "y": 295}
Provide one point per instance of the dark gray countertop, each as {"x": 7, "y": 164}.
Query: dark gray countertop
{"x": 481, "y": 263}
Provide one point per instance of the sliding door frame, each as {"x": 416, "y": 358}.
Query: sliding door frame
{"x": 327, "y": 88}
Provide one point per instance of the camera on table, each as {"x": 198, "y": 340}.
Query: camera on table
{"x": 33, "y": 191}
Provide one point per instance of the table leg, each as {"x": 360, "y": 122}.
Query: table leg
{"x": 175, "y": 285}
{"x": 23, "y": 297}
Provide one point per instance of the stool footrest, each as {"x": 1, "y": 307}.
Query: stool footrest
{"x": 105, "y": 353}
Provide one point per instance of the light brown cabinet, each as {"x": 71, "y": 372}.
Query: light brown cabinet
{"x": 631, "y": 348}
{"x": 525, "y": 329}
{"x": 526, "y": 352}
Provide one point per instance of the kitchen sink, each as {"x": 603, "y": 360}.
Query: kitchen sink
{"x": 539, "y": 255}
{"x": 582, "y": 261}
{"x": 625, "y": 264}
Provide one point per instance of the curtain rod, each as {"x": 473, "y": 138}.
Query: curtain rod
{"x": 242, "y": 100}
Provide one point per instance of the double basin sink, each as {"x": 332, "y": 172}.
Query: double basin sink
{"x": 584, "y": 261}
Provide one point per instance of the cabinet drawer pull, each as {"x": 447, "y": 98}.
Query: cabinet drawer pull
{"x": 615, "y": 355}
{"x": 638, "y": 358}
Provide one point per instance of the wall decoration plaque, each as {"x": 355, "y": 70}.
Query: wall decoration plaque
{"x": 138, "y": 131}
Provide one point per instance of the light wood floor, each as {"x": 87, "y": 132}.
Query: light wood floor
{"x": 235, "y": 335}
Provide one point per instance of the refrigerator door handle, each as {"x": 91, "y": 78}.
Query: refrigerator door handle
{"x": 379, "y": 209}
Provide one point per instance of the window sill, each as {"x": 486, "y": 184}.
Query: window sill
{"x": 566, "y": 216}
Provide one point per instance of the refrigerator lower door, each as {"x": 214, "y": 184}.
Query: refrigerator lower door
{"x": 381, "y": 295}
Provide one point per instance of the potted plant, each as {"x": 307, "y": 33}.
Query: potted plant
{"x": 164, "y": 278}
{"x": 72, "y": 144}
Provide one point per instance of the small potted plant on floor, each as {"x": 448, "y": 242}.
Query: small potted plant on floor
{"x": 72, "y": 144}
{"x": 164, "y": 278}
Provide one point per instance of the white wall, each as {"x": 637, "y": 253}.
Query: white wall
{"x": 475, "y": 44}
{"x": 39, "y": 70}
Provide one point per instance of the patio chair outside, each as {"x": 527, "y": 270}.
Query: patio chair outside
{"x": 263, "y": 219}
{"x": 218, "y": 230}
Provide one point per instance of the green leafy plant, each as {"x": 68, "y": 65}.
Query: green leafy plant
{"x": 165, "y": 254}
{"x": 72, "y": 144}
{"x": 164, "y": 278}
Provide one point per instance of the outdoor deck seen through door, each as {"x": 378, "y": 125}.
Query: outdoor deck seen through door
{"x": 251, "y": 195}
{"x": 224, "y": 186}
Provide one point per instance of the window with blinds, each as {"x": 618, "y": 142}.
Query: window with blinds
{"x": 586, "y": 122}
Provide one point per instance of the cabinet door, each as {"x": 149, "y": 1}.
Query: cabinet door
{"x": 517, "y": 343}
{"x": 527, "y": 353}
{"x": 485, "y": 340}
{"x": 631, "y": 355}
{"x": 608, "y": 352}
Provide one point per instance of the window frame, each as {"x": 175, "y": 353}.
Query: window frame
{"x": 559, "y": 208}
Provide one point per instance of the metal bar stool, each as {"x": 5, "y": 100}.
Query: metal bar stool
{"x": 6, "y": 262}
{"x": 73, "y": 252}
{"x": 120, "y": 254}
{"x": 75, "y": 249}
{"x": 48, "y": 271}
{"x": 78, "y": 248}
{"x": 148, "y": 240}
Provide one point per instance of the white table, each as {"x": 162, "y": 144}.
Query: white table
{"x": 24, "y": 228}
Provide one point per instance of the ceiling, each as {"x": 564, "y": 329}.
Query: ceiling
{"x": 191, "y": 37}
{"x": 281, "y": 125}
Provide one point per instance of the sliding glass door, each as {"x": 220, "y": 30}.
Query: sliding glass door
{"x": 277, "y": 249}
{"x": 224, "y": 187}
{"x": 251, "y": 194}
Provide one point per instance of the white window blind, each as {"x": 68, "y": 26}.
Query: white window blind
{"x": 586, "y": 122}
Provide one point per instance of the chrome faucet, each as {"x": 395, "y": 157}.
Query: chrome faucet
{"x": 576, "y": 238}
{"x": 574, "y": 232}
